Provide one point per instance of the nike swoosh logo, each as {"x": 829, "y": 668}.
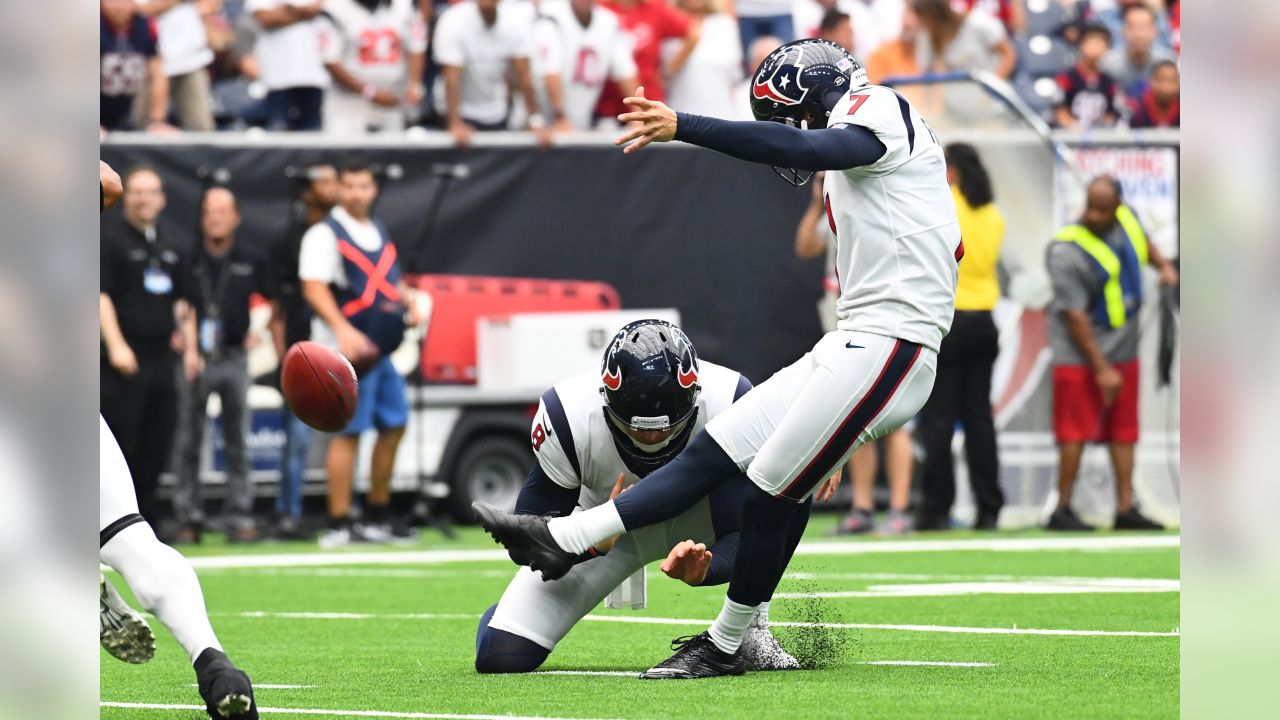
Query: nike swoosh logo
{"x": 851, "y": 346}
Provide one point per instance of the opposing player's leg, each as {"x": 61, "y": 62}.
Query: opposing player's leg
{"x": 712, "y": 457}
{"x": 862, "y": 386}
{"x": 165, "y": 584}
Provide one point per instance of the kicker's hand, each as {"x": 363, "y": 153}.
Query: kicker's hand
{"x": 657, "y": 122}
{"x": 688, "y": 562}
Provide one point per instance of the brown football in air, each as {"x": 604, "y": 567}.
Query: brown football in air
{"x": 319, "y": 386}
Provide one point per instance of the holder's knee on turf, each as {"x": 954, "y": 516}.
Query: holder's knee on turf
{"x": 498, "y": 651}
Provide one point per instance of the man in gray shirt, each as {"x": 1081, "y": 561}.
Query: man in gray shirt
{"x": 1095, "y": 268}
{"x": 1131, "y": 61}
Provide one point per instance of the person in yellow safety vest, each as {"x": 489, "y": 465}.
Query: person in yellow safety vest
{"x": 1095, "y": 266}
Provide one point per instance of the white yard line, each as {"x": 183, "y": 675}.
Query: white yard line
{"x": 598, "y": 673}
{"x": 1062, "y": 586}
{"x": 336, "y": 572}
{"x": 926, "y": 663}
{"x": 434, "y": 557}
{"x": 271, "y": 686}
{"x": 645, "y": 620}
{"x": 958, "y": 577}
{"x": 334, "y": 713}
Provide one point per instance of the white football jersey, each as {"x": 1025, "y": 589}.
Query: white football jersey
{"x": 897, "y": 239}
{"x": 583, "y": 57}
{"x": 572, "y": 440}
{"x": 373, "y": 46}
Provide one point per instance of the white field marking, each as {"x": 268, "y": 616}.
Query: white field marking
{"x": 927, "y": 663}
{"x": 352, "y": 616}
{"x": 1104, "y": 543}
{"x": 435, "y": 557}
{"x": 270, "y": 686}
{"x": 408, "y": 573}
{"x": 1032, "y": 587}
{"x": 335, "y": 713}
{"x": 934, "y": 577}
{"x": 599, "y": 673}
{"x": 687, "y": 621}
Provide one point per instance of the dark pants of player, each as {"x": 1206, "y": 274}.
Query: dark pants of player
{"x": 142, "y": 412}
{"x": 295, "y": 108}
{"x": 962, "y": 391}
{"x": 771, "y": 526}
{"x": 498, "y": 651}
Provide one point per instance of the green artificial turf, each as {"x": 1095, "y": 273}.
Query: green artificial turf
{"x": 392, "y": 664}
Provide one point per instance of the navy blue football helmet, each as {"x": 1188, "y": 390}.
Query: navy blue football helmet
{"x": 649, "y": 382}
{"x": 793, "y": 85}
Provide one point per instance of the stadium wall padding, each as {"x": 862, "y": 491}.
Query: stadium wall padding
{"x": 676, "y": 227}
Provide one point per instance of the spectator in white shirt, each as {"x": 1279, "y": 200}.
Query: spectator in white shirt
{"x": 476, "y": 43}
{"x": 375, "y": 51}
{"x": 289, "y": 61}
{"x": 705, "y": 84}
{"x": 186, "y": 56}
{"x": 579, "y": 45}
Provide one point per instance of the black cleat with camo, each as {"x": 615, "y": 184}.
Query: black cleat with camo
{"x": 696, "y": 657}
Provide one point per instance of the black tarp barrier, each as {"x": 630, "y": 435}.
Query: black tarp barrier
{"x": 674, "y": 226}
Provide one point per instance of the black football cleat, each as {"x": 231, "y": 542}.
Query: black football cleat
{"x": 1066, "y": 519}
{"x": 1134, "y": 520}
{"x": 528, "y": 539}
{"x": 225, "y": 688}
{"x": 696, "y": 657}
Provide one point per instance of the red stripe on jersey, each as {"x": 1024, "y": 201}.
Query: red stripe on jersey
{"x": 960, "y": 251}
{"x": 826, "y": 201}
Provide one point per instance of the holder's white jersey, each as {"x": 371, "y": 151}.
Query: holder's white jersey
{"x": 571, "y": 437}
{"x": 583, "y": 57}
{"x": 897, "y": 239}
{"x": 373, "y": 46}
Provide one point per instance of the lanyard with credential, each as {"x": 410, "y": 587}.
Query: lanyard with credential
{"x": 211, "y": 323}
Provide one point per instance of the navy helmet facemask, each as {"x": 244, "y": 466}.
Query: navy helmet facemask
{"x": 649, "y": 382}
{"x": 799, "y": 83}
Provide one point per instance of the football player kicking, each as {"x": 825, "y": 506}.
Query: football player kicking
{"x": 600, "y": 431}
{"x": 898, "y": 245}
{"x": 159, "y": 576}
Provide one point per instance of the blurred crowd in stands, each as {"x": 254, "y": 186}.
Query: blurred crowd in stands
{"x": 349, "y": 67}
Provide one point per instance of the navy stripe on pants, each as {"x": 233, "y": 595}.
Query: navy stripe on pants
{"x": 901, "y": 359}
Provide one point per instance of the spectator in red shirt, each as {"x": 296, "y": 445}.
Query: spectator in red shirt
{"x": 1158, "y": 104}
{"x": 648, "y": 23}
{"x": 1087, "y": 95}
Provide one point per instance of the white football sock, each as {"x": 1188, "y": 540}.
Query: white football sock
{"x": 164, "y": 584}
{"x": 578, "y": 532}
{"x": 762, "y": 614}
{"x": 730, "y": 625}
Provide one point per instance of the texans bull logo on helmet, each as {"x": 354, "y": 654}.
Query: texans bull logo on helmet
{"x": 780, "y": 81}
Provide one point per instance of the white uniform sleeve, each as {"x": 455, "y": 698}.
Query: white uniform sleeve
{"x": 519, "y": 25}
{"x": 622, "y": 62}
{"x": 255, "y": 5}
{"x": 318, "y": 258}
{"x": 885, "y": 113}
{"x": 415, "y": 39}
{"x": 550, "y": 453}
{"x": 448, "y": 48}
{"x": 333, "y": 44}
{"x": 548, "y": 58}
